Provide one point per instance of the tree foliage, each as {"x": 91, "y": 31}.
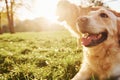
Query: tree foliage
{"x": 92, "y": 2}
{"x": 97, "y": 2}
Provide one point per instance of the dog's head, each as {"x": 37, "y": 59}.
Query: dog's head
{"x": 99, "y": 26}
{"x": 69, "y": 12}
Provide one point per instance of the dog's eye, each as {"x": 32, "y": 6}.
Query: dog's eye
{"x": 103, "y": 15}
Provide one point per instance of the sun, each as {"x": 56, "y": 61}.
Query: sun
{"x": 45, "y": 8}
{"x": 39, "y": 8}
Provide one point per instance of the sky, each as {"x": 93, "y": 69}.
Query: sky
{"x": 115, "y": 5}
{"x": 46, "y": 8}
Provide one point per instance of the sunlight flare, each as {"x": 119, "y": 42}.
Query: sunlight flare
{"x": 40, "y": 8}
{"x": 45, "y": 8}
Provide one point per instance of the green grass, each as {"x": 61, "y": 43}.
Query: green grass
{"x": 39, "y": 56}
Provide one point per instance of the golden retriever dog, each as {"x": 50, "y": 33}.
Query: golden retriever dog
{"x": 100, "y": 32}
{"x": 69, "y": 12}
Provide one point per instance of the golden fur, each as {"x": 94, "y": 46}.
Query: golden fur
{"x": 102, "y": 59}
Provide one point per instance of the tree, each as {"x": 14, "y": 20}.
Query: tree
{"x": 10, "y": 15}
{"x": 1, "y": 10}
{"x": 97, "y": 2}
{"x": 0, "y": 24}
{"x": 92, "y": 2}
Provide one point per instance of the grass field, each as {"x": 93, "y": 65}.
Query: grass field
{"x": 39, "y": 56}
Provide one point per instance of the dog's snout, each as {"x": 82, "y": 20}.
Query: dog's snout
{"x": 82, "y": 19}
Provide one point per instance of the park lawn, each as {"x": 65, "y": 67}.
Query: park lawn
{"x": 39, "y": 56}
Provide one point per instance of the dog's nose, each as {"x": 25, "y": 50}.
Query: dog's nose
{"x": 83, "y": 19}
{"x": 82, "y": 23}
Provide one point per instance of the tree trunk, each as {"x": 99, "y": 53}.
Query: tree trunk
{"x": 11, "y": 12}
{"x": 0, "y": 24}
{"x": 10, "y": 22}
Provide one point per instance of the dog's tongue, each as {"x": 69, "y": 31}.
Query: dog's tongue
{"x": 86, "y": 41}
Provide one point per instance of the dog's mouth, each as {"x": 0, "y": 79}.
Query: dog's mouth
{"x": 89, "y": 40}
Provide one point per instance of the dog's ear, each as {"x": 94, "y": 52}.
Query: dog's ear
{"x": 115, "y": 13}
{"x": 118, "y": 26}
